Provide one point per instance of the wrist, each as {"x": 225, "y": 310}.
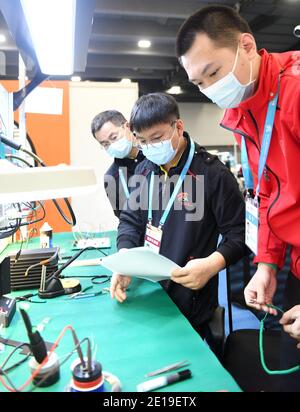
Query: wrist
{"x": 271, "y": 266}
{"x": 216, "y": 262}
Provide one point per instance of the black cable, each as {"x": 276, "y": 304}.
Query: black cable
{"x": 12, "y": 352}
{"x": 15, "y": 365}
{"x": 29, "y": 223}
{"x": 37, "y": 220}
{"x": 95, "y": 282}
{"x": 14, "y": 157}
{"x": 66, "y": 200}
{"x": 2, "y": 372}
{"x": 73, "y": 221}
{"x": 12, "y": 231}
{"x": 61, "y": 363}
{"x": 68, "y": 262}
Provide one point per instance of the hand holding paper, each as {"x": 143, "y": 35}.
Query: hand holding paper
{"x": 140, "y": 262}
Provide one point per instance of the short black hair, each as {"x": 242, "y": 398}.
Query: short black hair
{"x": 220, "y": 23}
{"x": 152, "y": 109}
{"x": 112, "y": 116}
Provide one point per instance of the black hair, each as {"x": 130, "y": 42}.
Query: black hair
{"x": 152, "y": 109}
{"x": 112, "y": 116}
{"x": 222, "y": 24}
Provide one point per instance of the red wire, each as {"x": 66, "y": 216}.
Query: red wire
{"x": 35, "y": 373}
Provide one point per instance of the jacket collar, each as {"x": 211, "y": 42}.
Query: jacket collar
{"x": 269, "y": 73}
{"x": 268, "y": 82}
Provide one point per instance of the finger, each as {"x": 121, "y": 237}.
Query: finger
{"x": 261, "y": 297}
{"x": 120, "y": 294}
{"x": 288, "y": 329}
{"x": 113, "y": 285}
{"x": 250, "y": 296}
{"x": 181, "y": 280}
{"x": 298, "y": 346}
{"x": 285, "y": 319}
{"x": 179, "y": 272}
{"x": 269, "y": 310}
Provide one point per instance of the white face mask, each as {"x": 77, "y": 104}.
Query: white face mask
{"x": 160, "y": 153}
{"x": 228, "y": 92}
{"x": 120, "y": 149}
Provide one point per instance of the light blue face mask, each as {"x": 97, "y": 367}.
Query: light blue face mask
{"x": 228, "y": 92}
{"x": 120, "y": 149}
{"x": 160, "y": 153}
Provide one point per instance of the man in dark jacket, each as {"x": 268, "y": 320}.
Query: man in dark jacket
{"x": 261, "y": 92}
{"x": 110, "y": 129}
{"x": 186, "y": 229}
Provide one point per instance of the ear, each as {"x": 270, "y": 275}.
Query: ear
{"x": 248, "y": 44}
{"x": 180, "y": 126}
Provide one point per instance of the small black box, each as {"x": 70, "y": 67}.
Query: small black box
{"x": 5, "y": 276}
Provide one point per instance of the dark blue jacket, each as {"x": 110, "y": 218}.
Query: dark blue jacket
{"x": 115, "y": 192}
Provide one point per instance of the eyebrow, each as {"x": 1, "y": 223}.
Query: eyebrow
{"x": 208, "y": 66}
{"x": 111, "y": 135}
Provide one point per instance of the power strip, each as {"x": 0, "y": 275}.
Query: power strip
{"x": 97, "y": 242}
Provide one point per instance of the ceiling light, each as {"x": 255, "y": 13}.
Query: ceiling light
{"x": 175, "y": 90}
{"x": 75, "y": 78}
{"x": 52, "y": 28}
{"x": 145, "y": 44}
{"x": 2, "y": 38}
{"x": 125, "y": 81}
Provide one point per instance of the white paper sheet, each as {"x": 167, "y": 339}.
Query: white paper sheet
{"x": 140, "y": 262}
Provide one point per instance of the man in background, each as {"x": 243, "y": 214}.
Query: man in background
{"x": 111, "y": 130}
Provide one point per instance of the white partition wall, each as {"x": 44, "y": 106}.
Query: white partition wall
{"x": 87, "y": 99}
{"x": 202, "y": 121}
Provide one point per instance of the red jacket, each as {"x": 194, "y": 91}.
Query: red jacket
{"x": 280, "y": 185}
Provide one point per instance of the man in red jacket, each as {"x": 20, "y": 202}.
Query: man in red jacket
{"x": 261, "y": 93}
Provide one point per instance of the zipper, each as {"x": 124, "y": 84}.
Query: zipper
{"x": 255, "y": 125}
{"x": 270, "y": 170}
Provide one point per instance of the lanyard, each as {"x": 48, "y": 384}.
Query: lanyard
{"x": 124, "y": 184}
{"x": 245, "y": 166}
{"x": 268, "y": 129}
{"x": 175, "y": 191}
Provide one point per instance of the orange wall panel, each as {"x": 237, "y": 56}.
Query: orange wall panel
{"x": 50, "y": 135}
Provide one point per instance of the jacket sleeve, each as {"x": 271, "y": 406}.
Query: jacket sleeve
{"x": 270, "y": 248}
{"x": 227, "y": 205}
{"x": 111, "y": 186}
{"x": 131, "y": 227}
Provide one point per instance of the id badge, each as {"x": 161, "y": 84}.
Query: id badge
{"x": 153, "y": 237}
{"x": 252, "y": 222}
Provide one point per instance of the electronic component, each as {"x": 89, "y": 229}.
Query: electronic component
{"x": 29, "y": 258}
{"x": 97, "y": 242}
{"x": 48, "y": 373}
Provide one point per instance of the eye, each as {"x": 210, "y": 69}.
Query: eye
{"x": 113, "y": 138}
{"x": 156, "y": 139}
{"x": 214, "y": 73}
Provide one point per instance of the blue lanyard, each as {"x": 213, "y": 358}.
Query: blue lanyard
{"x": 124, "y": 184}
{"x": 268, "y": 129}
{"x": 175, "y": 191}
{"x": 249, "y": 184}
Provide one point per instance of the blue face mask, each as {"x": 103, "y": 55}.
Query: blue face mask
{"x": 228, "y": 92}
{"x": 160, "y": 153}
{"x": 120, "y": 149}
